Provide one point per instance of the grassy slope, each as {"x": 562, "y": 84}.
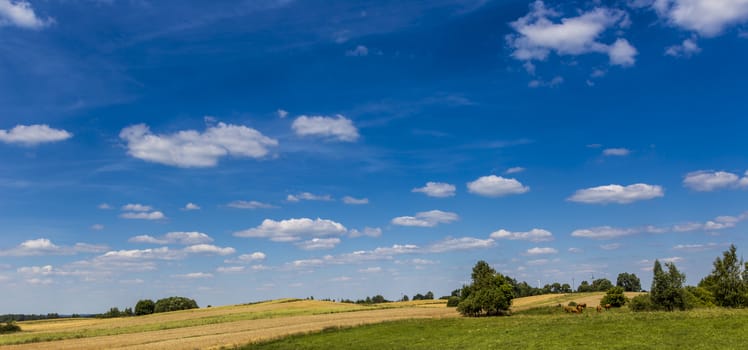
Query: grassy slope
{"x": 619, "y": 329}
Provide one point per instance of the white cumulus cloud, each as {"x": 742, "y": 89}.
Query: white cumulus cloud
{"x": 190, "y": 148}
{"x": 708, "y": 18}
{"x": 709, "y": 180}
{"x": 616, "y": 152}
{"x": 293, "y": 229}
{"x": 31, "y": 135}
{"x": 534, "y": 235}
{"x": 437, "y": 189}
{"x": 209, "y": 249}
{"x": 617, "y": 194}
{"x": 514, "y": 170}
{"x": 426, "y": 219}
{"x": 179, "y": 237}
{"x": 154, "y": 215}
{"x": 367, "y": 231}
{"x": 360, "y": 50}
{"x": 306, "y": 196}
{"x": 136, "y": 207}
{"x": 687, "y": 48}
{"x": 355, "y": 201}
{"x": 463, "y": 243}
{"x": 194, "y": 275}
{"x": 250, "y": 205}
{"x": 604, "y": 232}
{"x": 496, "y": 186}
{"x": 541, "y": 251}
{"x": 319, "y": 243}
{"x": 191, "y": 206}
{"x": 21, "y": 14}
{"x": 540, "y": 32}
{"x": 337, "y": 128}
{"x": 247, "y": 258}
{"x": 44, "y": 246}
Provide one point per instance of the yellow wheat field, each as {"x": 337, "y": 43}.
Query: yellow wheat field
{"x": 274, "y": 319}
{"x": 227, "y": 326}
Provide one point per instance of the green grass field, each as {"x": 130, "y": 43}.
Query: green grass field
{"x": 541, "y": 329}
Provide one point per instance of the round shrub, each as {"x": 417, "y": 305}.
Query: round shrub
{"x": 642, "y": 303}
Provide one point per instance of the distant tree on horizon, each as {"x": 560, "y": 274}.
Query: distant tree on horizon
{"x": 629, "y": 282}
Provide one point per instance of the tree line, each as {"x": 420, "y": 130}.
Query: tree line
{"x": 491, "y": 293}
{"x": 148, "y": 306}
{"x": 725, "y": 286}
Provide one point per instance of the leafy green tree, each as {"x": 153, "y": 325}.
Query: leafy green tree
{"x": 429, "y": 296}
{"x": 614, "y": 297}
{"x": 453, "y": 301}
{"x": 565, "y": 288}
{"x": 728, "y": 281}
{"x": 144, "y": 307}
{"x": 405, "y": 298}
{"x": 489, "y": 294}
{"x": 629, "y": 282}
{"x": 667, "y": 288}
{"x": 174, "y": 304}
{"x": 584, "y": 287}
{"x": 378, "y": 299}
{"x": 601, "y": 285}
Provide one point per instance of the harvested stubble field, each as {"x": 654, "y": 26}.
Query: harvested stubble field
{"x": 216, "y": 327}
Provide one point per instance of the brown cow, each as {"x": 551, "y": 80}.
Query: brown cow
{"x": 569, "y": 309}
{"x": 607, "y": 307}
{"x": 580, "y": 308}
{"x": 599, "y": 308}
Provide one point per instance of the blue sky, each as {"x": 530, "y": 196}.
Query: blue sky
{"x": 251, "y": 150}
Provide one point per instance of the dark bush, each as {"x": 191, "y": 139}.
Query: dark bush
{"x": 453, "y": 301}
{"x": 9, "y": 327}
{"x": 614, "y": 297}
{"x": 642, "y": 303}
{"x": 702, "y": 296}
{"x": 144, "y": 307}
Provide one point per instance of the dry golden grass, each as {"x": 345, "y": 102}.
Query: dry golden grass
{"x": 228, "y": 326}
{"x": 279, "y": 322}
{"x": 591, "y": 299}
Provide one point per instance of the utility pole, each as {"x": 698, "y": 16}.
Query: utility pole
{"x": 572, "y": 284}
